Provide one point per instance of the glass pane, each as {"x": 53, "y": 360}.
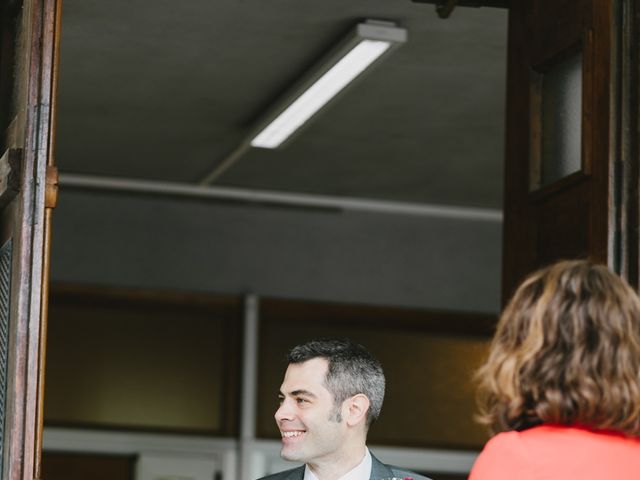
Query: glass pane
{"x": 430, "y": 398}
{"x": 134, "y": 363}
{"x": 561, "y": 119}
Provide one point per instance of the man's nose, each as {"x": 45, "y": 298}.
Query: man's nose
{"x": 283, "y": 412}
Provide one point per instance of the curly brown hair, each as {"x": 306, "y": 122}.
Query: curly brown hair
{"x": 566, "y": 351}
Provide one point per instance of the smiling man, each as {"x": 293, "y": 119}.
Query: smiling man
{"x": 331, "y": 394}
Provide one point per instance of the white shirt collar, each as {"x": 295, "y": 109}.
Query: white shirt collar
{"x": 362, "y": 471}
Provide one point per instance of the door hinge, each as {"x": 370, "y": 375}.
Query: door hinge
{"x": 51, "y": 187}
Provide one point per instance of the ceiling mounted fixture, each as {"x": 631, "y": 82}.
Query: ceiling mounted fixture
{"x": 372, "y": 40}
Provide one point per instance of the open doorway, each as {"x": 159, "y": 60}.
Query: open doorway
{"x": 388, "y": 203}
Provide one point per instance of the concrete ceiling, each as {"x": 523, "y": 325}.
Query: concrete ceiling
{"x": 165, "y": 90}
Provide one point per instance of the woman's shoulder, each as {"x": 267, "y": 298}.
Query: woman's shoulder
{"x": 518, "y": 454}
{"x": 549, "y": 437}
{"x": 511, "y": 440}
{"x": 503, "y": 457}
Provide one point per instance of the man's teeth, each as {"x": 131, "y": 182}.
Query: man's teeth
{"x": 291, "y": 434}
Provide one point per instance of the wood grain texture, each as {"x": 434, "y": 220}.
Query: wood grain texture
{"x": 573, "y": 217}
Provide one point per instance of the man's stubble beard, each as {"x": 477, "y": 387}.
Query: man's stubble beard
{"x": 334, "y": 417}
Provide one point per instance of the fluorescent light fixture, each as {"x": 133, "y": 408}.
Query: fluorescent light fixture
{"x": 313, "y": 99}
{"x": 351, "y": 58}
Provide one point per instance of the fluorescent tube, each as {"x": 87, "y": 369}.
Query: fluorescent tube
{"x": 323, "y": 90}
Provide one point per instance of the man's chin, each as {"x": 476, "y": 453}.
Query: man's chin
{"x": 291, "y": 456}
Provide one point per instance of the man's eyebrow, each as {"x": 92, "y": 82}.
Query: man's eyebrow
{"x": 305, "y": 393}
{"x": 297, "y": 393}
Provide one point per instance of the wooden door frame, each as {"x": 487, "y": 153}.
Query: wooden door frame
{"x": 28, "y": 216}
{"x": 626, "y": 66}
{"x": 614, "y": 220}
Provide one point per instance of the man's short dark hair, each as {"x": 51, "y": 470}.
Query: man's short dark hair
{"x": 352, "y": 370}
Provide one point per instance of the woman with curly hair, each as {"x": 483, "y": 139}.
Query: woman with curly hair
{"x": 561, "y": 386}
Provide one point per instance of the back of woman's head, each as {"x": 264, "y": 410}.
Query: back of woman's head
{"x": 566, "y": 351}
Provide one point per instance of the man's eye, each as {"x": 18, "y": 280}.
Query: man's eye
{"x": 280, "y": 400}
{"x": 302, "y": 400}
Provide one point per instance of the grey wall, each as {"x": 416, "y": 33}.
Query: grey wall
{"x": 154, "y": 242}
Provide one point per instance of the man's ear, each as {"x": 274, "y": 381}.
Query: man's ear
{"x": 356, "y": 409}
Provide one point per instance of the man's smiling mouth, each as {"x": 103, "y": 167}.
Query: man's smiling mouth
{"x": 290, "y": 434}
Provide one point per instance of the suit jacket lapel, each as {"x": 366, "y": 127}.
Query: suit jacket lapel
{"x": 295, "y": 474}
{"x": 379, "y": 470}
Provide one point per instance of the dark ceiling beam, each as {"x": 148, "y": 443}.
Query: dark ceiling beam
{"x": 469, "y": 3}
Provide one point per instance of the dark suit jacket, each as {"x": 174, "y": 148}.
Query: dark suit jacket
{"x": 379, "y": 471}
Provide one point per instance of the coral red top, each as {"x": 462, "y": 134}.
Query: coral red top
{"x": 550, "y": 452}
